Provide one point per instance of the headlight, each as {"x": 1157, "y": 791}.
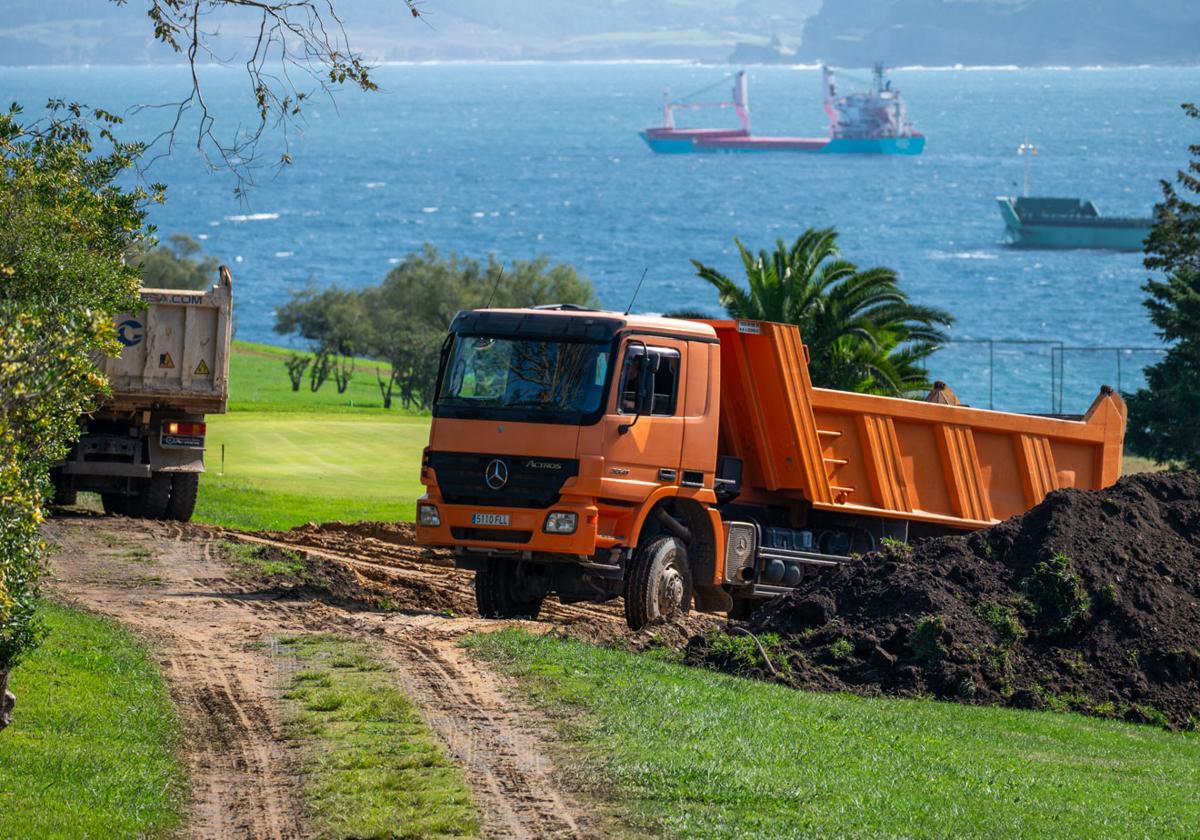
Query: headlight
{"x": 428, "y": 515}
{"x": 560, "y": 522}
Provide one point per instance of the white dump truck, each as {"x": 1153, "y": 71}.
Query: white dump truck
{"x": 142, "y": 449}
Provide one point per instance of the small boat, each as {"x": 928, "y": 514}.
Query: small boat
{"x": 873, "y": 122}
{"x": 1038, "y": 222}
{"x": 1044, "y": 222}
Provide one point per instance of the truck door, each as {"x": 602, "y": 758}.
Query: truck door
{"x": 647, "y": 445}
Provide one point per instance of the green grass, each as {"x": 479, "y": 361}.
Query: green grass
{"x": 257, "y": 561}
{"x": 698, "y": 754}
{"x": 258, "y": 381}
{"x": 91, "y": 751}
{"x": 283, "y": 470}
{"x": 371, "y": 766}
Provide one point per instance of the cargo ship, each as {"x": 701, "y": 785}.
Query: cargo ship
{"x": 872, "y": 122}
{"x": 1040, "y": 222}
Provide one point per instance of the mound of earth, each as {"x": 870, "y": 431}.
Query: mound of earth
{"x": 1090, "y": 601}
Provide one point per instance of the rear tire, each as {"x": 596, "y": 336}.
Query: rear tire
{"x": 184, "y": 489}
{"x": 115, "y": 504}
{"x": 501, "y": 593}
{"x": 658, "y": 584}
{"x": 153, "y": 496}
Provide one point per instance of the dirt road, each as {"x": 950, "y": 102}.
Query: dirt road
{"x": 173, "y": 584}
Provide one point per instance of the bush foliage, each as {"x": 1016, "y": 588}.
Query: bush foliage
{"x": 65, "y": 227}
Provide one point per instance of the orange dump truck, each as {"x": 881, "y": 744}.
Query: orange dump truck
{"x": 592, "y": 455}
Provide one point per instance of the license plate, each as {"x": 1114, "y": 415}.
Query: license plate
{"x": 182, "y": 442}
{"x": 489, "y": 518}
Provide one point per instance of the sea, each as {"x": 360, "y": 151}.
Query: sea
{"x": 528, "y": 159}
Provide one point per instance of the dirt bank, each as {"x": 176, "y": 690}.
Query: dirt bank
{"x": 1090, "y": 601}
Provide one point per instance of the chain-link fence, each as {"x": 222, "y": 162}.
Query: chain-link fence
{"x": 1041, "y": 377}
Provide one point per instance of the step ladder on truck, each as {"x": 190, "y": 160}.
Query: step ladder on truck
{"x": 679, "y": 463}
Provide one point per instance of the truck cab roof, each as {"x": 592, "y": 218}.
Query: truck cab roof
{"x": 574, "y": 324}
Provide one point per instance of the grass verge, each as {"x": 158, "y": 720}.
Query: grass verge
{"x": 283, "y": 470}
{"x": 91, "y": 752}
{"x": 371, "y": 766}
{"x": 703, "y": 755}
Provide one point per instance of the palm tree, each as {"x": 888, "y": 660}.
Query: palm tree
{"x": 862, "y": 332}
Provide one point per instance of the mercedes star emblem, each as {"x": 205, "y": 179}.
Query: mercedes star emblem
{"x": 496, "y": 474}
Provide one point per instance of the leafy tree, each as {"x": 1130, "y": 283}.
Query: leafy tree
{"x": 332, "y": 321}
{"x": 404, "y": 319}
{"x": 1162, "y": 416}
{"x": 408, "y": 315}
{"x": 65, "y": 227}
{"x": 177, "y": 265}
{"x": 862, "y": 332}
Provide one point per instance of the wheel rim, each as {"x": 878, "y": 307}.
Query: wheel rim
{"x": 670, "y": 589}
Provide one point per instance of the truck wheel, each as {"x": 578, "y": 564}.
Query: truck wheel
{"x": 115, "y": 504}
{"x": 64, "y": 494}
{"x": 501, "y": 593}
{"x": 153, "y": 496}
{"x": 658, "y": 583}
{"x": 184, "y": 488}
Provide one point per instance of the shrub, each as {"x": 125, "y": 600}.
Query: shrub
{"x": 925, "y": 641}
{"x": 841, "y": 649}
{"x": 1003, "y": 619}
{"x": 66, "y": 229}
{"x": 1061, "y": 605}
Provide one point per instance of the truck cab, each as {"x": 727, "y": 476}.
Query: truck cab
{"x": 563, "y": 442}
{"x": 593, "y": 455}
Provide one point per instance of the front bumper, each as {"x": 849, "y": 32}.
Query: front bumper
{"x": 523, "y": 533}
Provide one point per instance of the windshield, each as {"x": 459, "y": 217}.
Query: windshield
{"x": 547, "y": 381}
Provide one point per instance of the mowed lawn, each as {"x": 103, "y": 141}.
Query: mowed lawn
{"x": 692, "y": 753}
{"x": 93, "y": 748}
{"x": 285, "y": 469}
{"x": 292, "y": 457}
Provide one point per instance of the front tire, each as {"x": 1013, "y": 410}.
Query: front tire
{"x": 502, "y": 592}
{"x": 116, "y": 504}
{"x": 64, "y": 493}
{"x": 184, "y": 489}
{"x": 658, "y": 584}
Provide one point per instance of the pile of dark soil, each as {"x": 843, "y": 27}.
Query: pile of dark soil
{"x": 1090, "y": 602}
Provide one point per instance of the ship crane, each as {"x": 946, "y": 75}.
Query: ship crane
{"x": 740, "y": 102}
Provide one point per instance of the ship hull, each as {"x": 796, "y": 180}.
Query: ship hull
{"x": 702, "y": 141}
{"x": 1055, "y": 237}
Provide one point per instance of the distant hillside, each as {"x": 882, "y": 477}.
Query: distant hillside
{"x": 101, "y": 32}
{"x": 1022, "y": 32}
{"x": 844, "y": 32}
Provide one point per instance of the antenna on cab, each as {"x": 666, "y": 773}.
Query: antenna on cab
{"x": 635, "y": 291}
{"x": 495, "y": 286}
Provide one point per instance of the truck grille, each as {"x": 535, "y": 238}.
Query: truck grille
{"x": 491, "y": 535}
{"x": 532, "y": 482}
